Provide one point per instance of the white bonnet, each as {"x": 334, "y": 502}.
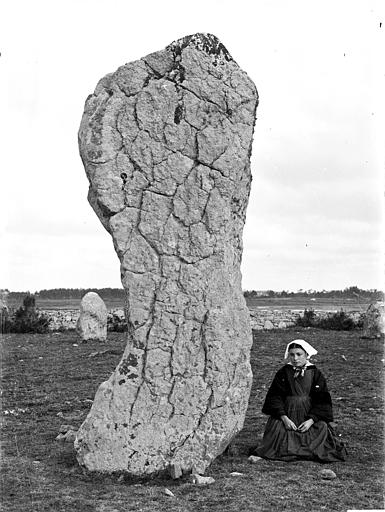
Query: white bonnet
{"x": 311, "y": 351}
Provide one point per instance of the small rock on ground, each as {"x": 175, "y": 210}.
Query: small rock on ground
{"x": 202, "y": 480}
{"x": 65, "y": 428}
{"x": 167, "y": 492}
{"x": 68, "y": 437}
{"x": 254, "y": 459}
{"x": 175, "y": 471}
{"x": 67, "y": 434}
{"x": 327, "y": 474}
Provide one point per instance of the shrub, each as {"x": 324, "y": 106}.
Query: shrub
{"x": 26, "y": 319}
{"x": 308, "y": 319}
{"x": 116, "y": 324}
{"x": 339, "y": 321}
{"x": 360, "y": 322}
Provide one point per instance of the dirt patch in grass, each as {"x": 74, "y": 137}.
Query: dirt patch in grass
{"x": 49, "y": 380}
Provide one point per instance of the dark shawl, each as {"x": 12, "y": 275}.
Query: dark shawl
{"x": 282, "y": 386}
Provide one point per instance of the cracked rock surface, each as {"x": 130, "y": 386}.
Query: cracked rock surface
{"x": 166, "y": 143}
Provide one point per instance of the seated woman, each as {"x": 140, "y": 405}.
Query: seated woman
{"x": 300, "y": 409}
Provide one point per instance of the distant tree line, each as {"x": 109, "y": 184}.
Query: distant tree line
{"x": 70, "y": 293}
{"x": 352, "y": 292}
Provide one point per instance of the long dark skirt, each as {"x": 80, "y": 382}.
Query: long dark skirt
{"x": 318, "y": 443}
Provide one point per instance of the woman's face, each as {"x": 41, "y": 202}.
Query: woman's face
{"x": 297, "y": 356}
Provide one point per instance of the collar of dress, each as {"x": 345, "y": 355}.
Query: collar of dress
{"x": 300, "y": 370}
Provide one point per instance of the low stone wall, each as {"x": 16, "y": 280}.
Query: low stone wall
{"x": 260, "y": 318}
{"x": 61, "y": 320}
{"x": 64, "y": 320}
{"x": 266, "y": 319}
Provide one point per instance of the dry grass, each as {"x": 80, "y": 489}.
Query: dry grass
{"x": 45, "y": 375}
{"x": 322, "y": 303}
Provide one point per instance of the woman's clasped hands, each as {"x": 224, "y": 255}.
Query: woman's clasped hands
{"x": 290, "y": 425}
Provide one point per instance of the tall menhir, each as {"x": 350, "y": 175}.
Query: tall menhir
{"x": 166, "y": 144}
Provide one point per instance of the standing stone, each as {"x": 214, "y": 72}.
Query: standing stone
{"x": 166, "y": 144}
{"x": 92, "y": 322}
{"x": 4, "y": 299}
{"x": 4, "y": 313}
{"x": 374, "y": 320}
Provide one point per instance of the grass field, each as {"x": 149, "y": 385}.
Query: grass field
{"x": 48, "y": 381}
{"x": 325, "y": 304}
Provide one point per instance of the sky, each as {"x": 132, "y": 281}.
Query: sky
{"x": 315, "y": 216}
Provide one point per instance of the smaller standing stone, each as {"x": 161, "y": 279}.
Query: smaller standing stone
{"x": 92, "y": 322}
{"x": 3, "y": 308}
{"x": 4, "y": 299}
{"x": 374, "y": 320}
